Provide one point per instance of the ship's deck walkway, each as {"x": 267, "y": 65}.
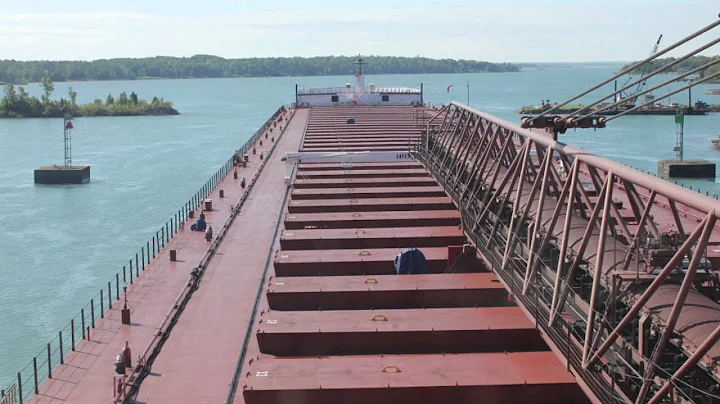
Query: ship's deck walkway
{"x": 87, "y": 375}
{"x": 197, "y": 362}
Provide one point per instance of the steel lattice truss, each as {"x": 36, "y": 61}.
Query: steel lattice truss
{"x": 635, "y": 248}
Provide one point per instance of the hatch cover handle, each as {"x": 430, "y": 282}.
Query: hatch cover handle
{"x": 371, "y": 280}
{"x": 359, "y": 231}
{"x": 364, "y": 253}
{"x": 356, "y": 214}
{"x": 390, "y": 369}
{"x": 379, "y": 317}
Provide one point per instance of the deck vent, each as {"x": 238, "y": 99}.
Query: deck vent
{"x": 351, "y": 121}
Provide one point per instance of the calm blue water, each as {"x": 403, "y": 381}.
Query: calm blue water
{"x": 60, "y": 245}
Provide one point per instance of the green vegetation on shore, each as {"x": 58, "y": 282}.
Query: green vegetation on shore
{"x": 686, "y": 65}
{"x": 16, "y": 103}
{"x": 206, "y": 66}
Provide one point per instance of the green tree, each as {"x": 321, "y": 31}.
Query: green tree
{"x": 110, "y": 100}
{"x": 9, "y": 100}
{"x": 48, "y": 88}
{"x": 73, "y": 96}
{"x": 123, "y": 98}
{"x": 133, "y": 98}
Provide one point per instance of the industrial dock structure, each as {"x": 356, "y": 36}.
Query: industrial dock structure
{"x": 369, "y": 247}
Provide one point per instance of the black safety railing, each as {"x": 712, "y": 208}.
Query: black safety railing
{"x": 81, "y": 327}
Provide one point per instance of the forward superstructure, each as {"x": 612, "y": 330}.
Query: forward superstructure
{"x": 358, "y": 95}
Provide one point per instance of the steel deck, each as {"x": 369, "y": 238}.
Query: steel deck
{"x": 335, "y": 294}
{"x": 204, "y": 334}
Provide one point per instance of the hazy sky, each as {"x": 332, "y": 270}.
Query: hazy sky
{"x": 495, "y": 30}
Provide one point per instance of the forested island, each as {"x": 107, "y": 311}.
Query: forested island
{"x": 207, "y": 66}
{"x": 686, "y": 65}
{"x": 17, "y": 103}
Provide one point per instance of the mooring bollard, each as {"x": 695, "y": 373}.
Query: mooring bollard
{"x": 173, "y": 255}
{"x": 125, "y": 312}
{"x": 222, "y": 193}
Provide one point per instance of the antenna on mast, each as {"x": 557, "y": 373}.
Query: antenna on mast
{"x": 359, "y": 76}
{"x": 360, "y": 64}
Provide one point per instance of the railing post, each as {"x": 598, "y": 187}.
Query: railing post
{"x": 147, "y": 248}
{"x": 137, "y": 265}
{"x": 109, "y": 296}
{"x": 154, "y": 237}
{"x": 62, "y": 353}
{"x": 49, "y": 361}
{"x": 37, "y": 390}
{"x": 124, "y": 275}
{"x": 142, "y": 253}
{"x": 72, "y": 334}
{"x": 167, "y": 232}
{"x": 92, "y": 313}
{"x": 117, "y": 285}
{"x": 102, "y": 304}
{"x": 82, "y": 317}
{"x": 568, "y": 346}
{"x": 20, "y": 394}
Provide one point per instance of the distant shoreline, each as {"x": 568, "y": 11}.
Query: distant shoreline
{"x": 250, "y": 77}
{"x": 208, "y": 66}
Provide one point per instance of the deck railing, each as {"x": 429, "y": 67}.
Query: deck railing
{"x": 80, "y": 327}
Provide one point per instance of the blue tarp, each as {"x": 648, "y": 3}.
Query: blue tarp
{"x": 410, "y": 262}
{"x": 199, "y": 225}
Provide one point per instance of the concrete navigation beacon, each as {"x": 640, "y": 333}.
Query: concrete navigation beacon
{"x": 67, "y": 173}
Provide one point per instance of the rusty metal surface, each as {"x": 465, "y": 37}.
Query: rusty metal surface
{"x": 699, "y": 318}
{"x": 397, "y": 237}
{"x": 358, "y": 148}
{"x": 364, "y": 182}
{"x": 356, "y": 193}
{"x": 400, "y": 167}
{"x": 339, "y": 220}
{"x": 390, "y": 173}
{"x": 386, "y": 292}
{"x": 370, "y": 205}
{"x": 317, "y": 304}
{"x": 502, "y": 378}
{"x": 406, "y": 331}
{"x": 530, "y": 201}
{"x": 373, "y": 261}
